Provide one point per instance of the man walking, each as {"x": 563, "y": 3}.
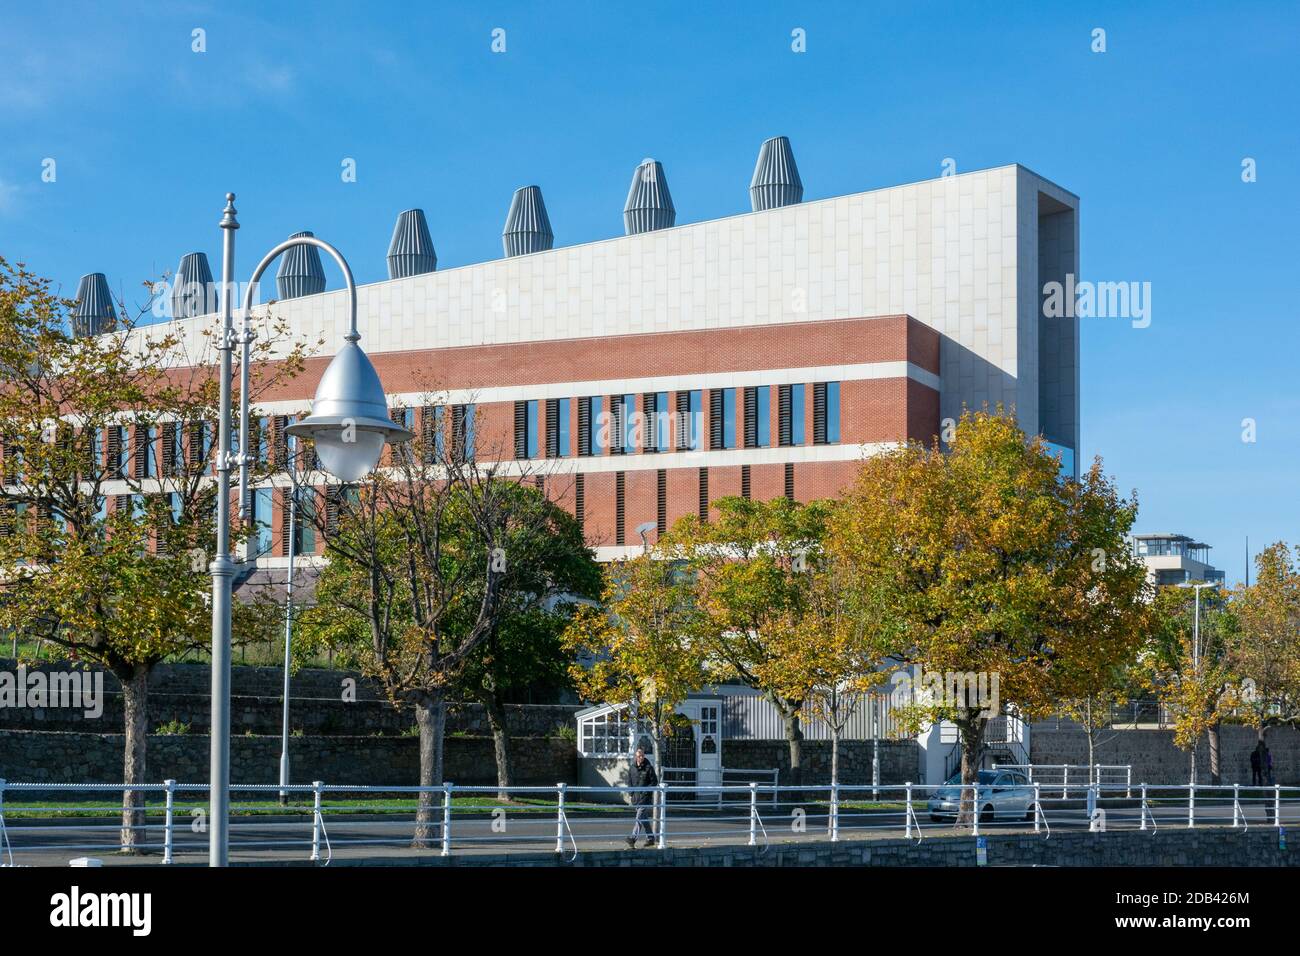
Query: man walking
{"x": 1256, "y": 765}
{"x": 642, "y": 774}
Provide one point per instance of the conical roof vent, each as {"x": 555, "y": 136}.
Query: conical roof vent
{"x": 411, "y": 251}
{"x": 776, "y": 179}
{"x": 649, "y": 205}
{"x": 94, "y": 313}
{"x": 300, "y": 271}
{"x": 193, "y": 291}
{"x": 527, "y": 229}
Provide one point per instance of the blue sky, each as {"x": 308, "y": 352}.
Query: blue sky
{"x": 148, "y": 136}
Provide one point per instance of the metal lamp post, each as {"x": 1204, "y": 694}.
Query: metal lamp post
{"x": 1196, "y": 643}
{"x": 350, "y": 426}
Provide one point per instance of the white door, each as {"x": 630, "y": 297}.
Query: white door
{"x": 708, "y": 743}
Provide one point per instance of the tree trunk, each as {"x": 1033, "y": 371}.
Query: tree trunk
{"x": 135, "y": 699}
{"x": 971, "y": 729}
{"x": 1213, "y": 735}
{"x": 794, "y": 738}
{"x": 496, "y": 715}
{"x": 835, "y": 755}
{"x": 429, "y": 717}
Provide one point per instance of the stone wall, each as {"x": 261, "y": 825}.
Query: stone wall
{"x": 1173, "y": 847}
{"x": 60, "y": 757}
{"x": 1155, "y": 758}
{"x": 179, "y": 693}
{"x": 899, "y": 759}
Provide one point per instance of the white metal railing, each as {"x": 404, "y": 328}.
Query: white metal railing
{"x": 47, "y": 823}
{"x": 1064, "y": 776}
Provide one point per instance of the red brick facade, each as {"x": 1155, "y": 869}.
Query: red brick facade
{"x": 886, "y": 394}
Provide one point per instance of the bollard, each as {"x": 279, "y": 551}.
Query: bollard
{"x": 907, "y": 813}
{"x": 167, "y": 832}
{"x": 1128, "y": 782}
{"x": 1236, "y": 805}
{"x": 446, "y": 818}
{"x": 835, "y": 813}
{"x": 974, "y": 809}
{"x": 315, "y": 821}
{"x": 1038, "y": 808}
{"x": 1065, "y": 782}
{"x": 1191, "y": 805}
{"x": 663, "y": 813}
{"x": 559, "y": 816}
{"x": 1277, "y": 802}
{"x": 753, "y": 814}
{"x": 1143, "y": 814}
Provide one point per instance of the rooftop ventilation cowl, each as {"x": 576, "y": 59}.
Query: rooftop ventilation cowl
{"x": 527, "y": 229}
{"x": 94, "y": 313}
{"x": 649, "y": 205}
{"x": 300, "y": 271}
{"x": 411, "y": 252}
{"x": 193, "y": 291}
{"x": 776, "y": 179}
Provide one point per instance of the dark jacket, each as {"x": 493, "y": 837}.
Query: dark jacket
{"x": 642, "y": 776}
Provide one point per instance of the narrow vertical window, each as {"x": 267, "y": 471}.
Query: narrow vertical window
{"x": 797, "y": 414}
{"x": 763, "y": 416}
{"x": 728, "y": 418}
{"x": 832, "y": 412}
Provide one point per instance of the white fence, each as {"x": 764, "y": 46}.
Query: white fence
{"x": 1067, "y": 777}
{"x": 46, "y": 824}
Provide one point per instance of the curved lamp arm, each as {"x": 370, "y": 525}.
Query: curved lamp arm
{"x": 246, "y": 338}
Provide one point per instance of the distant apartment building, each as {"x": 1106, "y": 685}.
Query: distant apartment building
{"x": 1175, "y": 559}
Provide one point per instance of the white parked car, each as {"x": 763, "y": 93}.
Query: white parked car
{"x": 1002, "y": 795}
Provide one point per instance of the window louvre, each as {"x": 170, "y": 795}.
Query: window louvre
{"x": 430, "y": 422}
{"x": 819, "y": 413}
{"x": 650, "y": 417}
{"x": 784, "y": 430}
{"x": 704, "y": 494}
{"x": 521, "y": 429}
{"x": 661, "y": 502}
{"x": 286, "y": 525}
{"x": 715, "y": 418}
{"x": 553, "y": 428}
{"x": 683, "y": 440}
{"x": 620, "y": 488}
{"x": 584, "y": 426}
{"x": 789, "y": 480}
{"x": 279, "y": 443}
{"x": 744, "y": 482}
{"x": 113, "y": 443}
{"x": 619, "y": 432}
{"x": 751, "y": 416}
{"x": 580, "y": 500}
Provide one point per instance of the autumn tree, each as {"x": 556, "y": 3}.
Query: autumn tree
{"x": 548, "y": 570}
{"x": 416, "y": 583}
{"x": 1190, "y": 669}
{"x": 635, "y": 645}
{"x": 1264, "y": 649}
{"x": 746, "y": 570}
{"x": 833, "y": 653}
{"x": 128, "y": 417}
{"x": 988, "y": 562}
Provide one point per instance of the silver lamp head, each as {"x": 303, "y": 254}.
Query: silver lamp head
{"x": 349, "y": 420}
